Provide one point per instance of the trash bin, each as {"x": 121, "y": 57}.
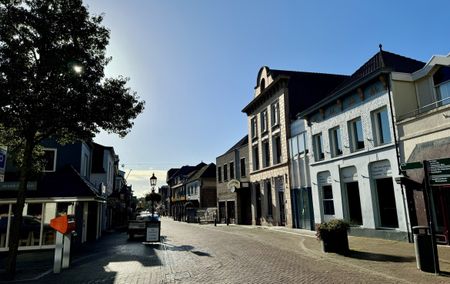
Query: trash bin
{"x": 424, "y": 249}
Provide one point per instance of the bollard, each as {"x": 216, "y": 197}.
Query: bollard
{"x": 215, "y": 222}
{"x": 228, "y": 221}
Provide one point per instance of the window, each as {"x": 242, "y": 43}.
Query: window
{"x": 219, "y": 174}
{"x": 243, "y": 169}
{"x": 275, "y": 113}
{"x": 335, "y": 142}
{"x": 318, "y": 147}
{"x": 85, "y": 166}
{"x": 255, "y": 158}
{"x": 381, "y": 129}
{"x": 232, "y": 170}
{"x": 254, "y": 127}
{"x": 293, "y": 146}
{"x": 328, "y": 205}
{"x": 49, "y": 160}
{"x": 225, "y": 172}
{"x": 356, "y": 136}
{"x": 266, "y": 153}
{"x": 442, "y": 84}
{"x": 263, "y": 84}
{"x": 276, "y": 143}
{"x": 263, "y": 121}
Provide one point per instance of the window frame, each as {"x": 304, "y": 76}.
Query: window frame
{"x": 266, "y": 153}
{"x": 225, "y": 172}
{"x": 243, "y": 168}
{"x": 255, "y": 157}
{"x": 319, "y": 154}
{"x": 264, "y": 124}
{"x": 335, "y": 141}
{"x": 231, "y": 166}
{"x": 275, "y": 114}
{"x": 254, "y": 127}
{"x": 328, "y": 200}
{"x": 276, "y": 150}
{"x": 377, "y": 124}
{"x": 55, "y": 150}
{"x": 353, "y": 135}
{"x": 219, "y": 174}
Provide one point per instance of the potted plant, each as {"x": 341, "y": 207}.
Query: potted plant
{"x": 333, "y": 235}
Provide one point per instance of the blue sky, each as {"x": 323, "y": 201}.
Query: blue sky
{"x": 195, "y": 62}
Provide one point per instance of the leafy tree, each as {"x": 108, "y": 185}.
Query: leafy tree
{"x": 52, "y": 84}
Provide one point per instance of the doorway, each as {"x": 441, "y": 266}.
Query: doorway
{"x": 258, "y": 203}
{"x": 386, "y": 203}
{"x": 231, "y": 212}
{"x": 354, "y": 203}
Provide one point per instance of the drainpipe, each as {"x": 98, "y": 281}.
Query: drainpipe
{"x": 397, "y": 153}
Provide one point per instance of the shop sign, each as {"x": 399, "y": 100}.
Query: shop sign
{"x": 439, "y": 171}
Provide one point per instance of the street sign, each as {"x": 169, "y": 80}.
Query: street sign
{"x": 411, "y": 166}
{"x": 439, "y": 171}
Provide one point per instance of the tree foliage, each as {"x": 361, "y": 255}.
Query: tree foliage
{"x": 52, "y": 83}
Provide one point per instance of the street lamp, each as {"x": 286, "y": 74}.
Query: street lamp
{"x": 152, "y": 184}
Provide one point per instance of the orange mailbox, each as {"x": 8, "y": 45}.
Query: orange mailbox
{"x": 62, "y": 224}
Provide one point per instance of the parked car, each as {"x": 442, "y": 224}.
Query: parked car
{"x": 138, "y": 226}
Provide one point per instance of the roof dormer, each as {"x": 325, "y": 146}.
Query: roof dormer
{"x": 263, "y": 80}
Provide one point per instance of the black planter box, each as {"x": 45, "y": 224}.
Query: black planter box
{"x": 335, "y": 241}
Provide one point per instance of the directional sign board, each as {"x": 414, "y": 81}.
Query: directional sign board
{"x": 439, "y": 172}
{"x": 411, "y": 166}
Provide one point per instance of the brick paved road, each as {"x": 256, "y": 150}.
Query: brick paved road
{"x": 192, "y": 253}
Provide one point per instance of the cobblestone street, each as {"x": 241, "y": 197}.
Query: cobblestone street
{"x": 192, "y": 253}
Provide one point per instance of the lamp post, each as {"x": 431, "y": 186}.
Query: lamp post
{"x": 152, "y": 184}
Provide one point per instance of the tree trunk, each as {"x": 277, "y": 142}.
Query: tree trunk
{"x": 17, "y": 220}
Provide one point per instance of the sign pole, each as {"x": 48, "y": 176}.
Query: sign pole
{"x": 430, "y": 203}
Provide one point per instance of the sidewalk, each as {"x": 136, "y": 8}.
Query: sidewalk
{"x": 393, "y": 259}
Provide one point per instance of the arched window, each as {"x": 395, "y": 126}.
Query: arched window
{"x": 262, "y": 85}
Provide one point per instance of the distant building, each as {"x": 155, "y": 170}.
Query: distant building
{"x": 422, "y": 104}
{"x": 354, "y": 159}
{"x": 233, "y": 185}
{"x": 279, "y": 96}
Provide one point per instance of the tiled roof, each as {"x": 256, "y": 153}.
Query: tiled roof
{"x": 382, "y": 61}
{"x": 205, "y": 172}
